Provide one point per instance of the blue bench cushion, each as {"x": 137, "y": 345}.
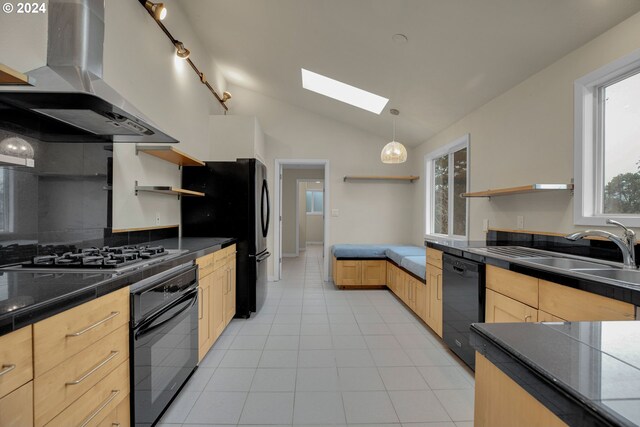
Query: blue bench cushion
{"x": 415, "y": 264}
{"x": 359, "y": 251}
{"x": 396, "y": 253}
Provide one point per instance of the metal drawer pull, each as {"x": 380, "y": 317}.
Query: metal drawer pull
{"x": 95, "y": 325}
{"x": 527, "y": 317}
{"x": 200, "y": 304}
{"x": 6, "y": 369}
{"x": 104, "y": 404}
{"x": 113, "y": 354}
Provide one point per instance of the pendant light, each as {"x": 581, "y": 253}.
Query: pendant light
{"x": 394, "y": 152}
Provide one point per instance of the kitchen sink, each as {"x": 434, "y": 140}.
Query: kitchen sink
{"x": 630, "y": 276}
{"x": 566, "y": 263}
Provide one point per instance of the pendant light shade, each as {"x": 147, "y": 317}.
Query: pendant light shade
{"x": 394, "y": 152}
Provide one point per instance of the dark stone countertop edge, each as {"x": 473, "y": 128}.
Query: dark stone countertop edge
{"x": 35, "y": 313}
{"x": 565, "y": 402}
{"x": 620, "y": 292}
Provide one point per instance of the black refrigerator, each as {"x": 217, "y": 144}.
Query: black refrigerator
{"x": 236, "y": 204}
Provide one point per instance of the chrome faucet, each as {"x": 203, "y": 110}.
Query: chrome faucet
{"x": 626, "y": 243}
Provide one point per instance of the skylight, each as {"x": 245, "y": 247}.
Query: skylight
{"x": 342, "y": 92}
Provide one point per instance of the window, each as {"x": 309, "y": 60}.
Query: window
{"x": 607, "y": 144}
{"x": 447, "y": 179}
{"x": 315, "y": 202}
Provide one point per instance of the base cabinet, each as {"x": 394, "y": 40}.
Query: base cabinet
{"x": 361, "y": 273}
{"x": 502, "y": 309}
{"x": 217, "y": 282}
{"x": 501, "y": 402}
{"x": 433, "y": 311}
{"x": 16, "y": 408}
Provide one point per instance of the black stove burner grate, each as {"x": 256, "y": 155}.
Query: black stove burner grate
{"x": 98, "y": 258}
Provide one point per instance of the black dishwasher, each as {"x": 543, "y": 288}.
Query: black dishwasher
{"x": 462, "y": 303}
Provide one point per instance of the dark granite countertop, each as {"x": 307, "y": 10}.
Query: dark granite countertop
{"x": 42, "y": 295}
{"x": 621, "y": 291}
{"x": 587, "y": 373}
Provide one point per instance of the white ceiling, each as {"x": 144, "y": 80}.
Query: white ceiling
{"x": 460, "y": 54}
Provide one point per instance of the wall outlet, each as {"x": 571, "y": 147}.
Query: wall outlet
{"x": 485, "y": 225}
{"x": 520, "y": 222}
{"x": 157, "y": 218}
{"x": 335, "y": 212}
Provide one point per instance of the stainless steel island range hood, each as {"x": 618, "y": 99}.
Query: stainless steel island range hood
{"x": 69, "y": 101}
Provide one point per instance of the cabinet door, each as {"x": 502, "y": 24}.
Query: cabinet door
{"x": 205, "y": 335}
{"x": 390, "y": 268}
{"x": 502, "y": 309}
{"x": 374, "y": 273}
{"x": 16, "y": 408}
{"x": 543, "y": 316}
{"x": 16, "y": 359}
{"x": 433, "y": 311}
{"x": 514, "y": 285}
{"x": 576, "y": 305}
{"x": 217, "y": 302}
{"x": 420, "y": 300}
{"x": 349, "y": 273}
{"x": 230, "y": 296}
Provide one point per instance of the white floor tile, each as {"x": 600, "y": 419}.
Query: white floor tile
{"x": 360, "y": 379}
{"x": 402, "y": 378}
{"x": 418, "y": 406}
{"x": 274, "y": 380}
{"x": 368, "y": 407}
{"x": 217, "y": 408}
{"x": 317, "y": 379}
{"x": 268, "y": 408}
{"x": 319, "y": 408}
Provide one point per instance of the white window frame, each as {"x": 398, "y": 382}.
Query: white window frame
{"x": 313, "y": 203}
{"x": 588, "y": 150}
{"x": 452, "y": 147}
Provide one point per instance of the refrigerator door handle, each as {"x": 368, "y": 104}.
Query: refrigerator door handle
{"x": 265, "y": 200}
{"x": 264, "y": 256}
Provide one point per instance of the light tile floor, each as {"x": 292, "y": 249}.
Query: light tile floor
{"x": 315, "y": 355}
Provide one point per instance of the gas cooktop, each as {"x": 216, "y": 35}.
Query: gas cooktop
{"x": 109, "y": 259}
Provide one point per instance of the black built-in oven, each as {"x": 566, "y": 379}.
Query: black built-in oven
{"x": 164, "y": 340}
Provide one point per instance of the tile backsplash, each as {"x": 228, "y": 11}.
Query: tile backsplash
{"x": 62, "y": 203}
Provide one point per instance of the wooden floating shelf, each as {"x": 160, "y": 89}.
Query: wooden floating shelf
{"x": 168, "y": 190}
{"x": 9, "y": 76}
{"x": 409, "y": 178}
{"x": 532, "y": 188}
{"x": 170, "y": 154}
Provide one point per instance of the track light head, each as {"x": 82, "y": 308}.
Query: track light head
{"x": 226, "y": 96}
{"x": 182, "y": 51}
{"x": 158, "y": 10}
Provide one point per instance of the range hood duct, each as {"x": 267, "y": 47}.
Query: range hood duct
{"x": 70, "y": 102}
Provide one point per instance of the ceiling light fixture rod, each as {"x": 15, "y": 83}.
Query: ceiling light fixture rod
{"x": 174, "y": 42}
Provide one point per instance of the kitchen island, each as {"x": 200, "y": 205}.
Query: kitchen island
{"x": 554, "y": 374}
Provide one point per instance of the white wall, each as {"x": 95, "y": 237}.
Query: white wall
{"x": 302, "y": 215}
{"x": 234, "y": 137}
{"x": 140, "y": 63}
{"x": 314, "y": 224}
{"x": 525, "y": 136}
{"x": 289, "y": 206}
{"x": 366, "y": 209}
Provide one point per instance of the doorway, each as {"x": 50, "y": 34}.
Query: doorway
{"x": 301, "y": 210}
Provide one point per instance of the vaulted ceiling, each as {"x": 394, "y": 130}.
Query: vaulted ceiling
{"x": 460, "y": 53}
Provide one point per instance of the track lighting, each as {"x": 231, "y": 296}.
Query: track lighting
{"x": 181, "y": 51}
{"x": 158, "y": 10}
{"x": 226, "y": 96}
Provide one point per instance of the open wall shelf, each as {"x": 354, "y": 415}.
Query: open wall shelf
{"x": 9, "y": 76}
{"x": 408, "y": 178}
{"x": 168, "y": 190}
{"x": 532, "y": 188}
{"x": 170, "y": 154}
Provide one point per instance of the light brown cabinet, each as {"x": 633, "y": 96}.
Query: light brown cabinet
{"x": 16, "y": 408}
{"x": 360, "y": 273}
{"x": 501, "y": 402}
{"x": 502, "y": 309}
{"x": 16, "y": 360}
{"x": 514, "y": 285}
{"x": 433, "y": 312}
{"x": 575, "y": 305}
{"x": 217, "y": 283}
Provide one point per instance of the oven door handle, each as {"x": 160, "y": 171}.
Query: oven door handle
{"x": 147, "y": 326}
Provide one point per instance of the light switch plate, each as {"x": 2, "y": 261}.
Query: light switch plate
{"x": 335, "y": 212}
{"x": 485, "y": 225}
{"x": 520, "y": 222}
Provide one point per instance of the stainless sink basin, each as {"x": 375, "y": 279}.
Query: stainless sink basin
{"x": 630, "y": 276}
{"x": 566, "y": 263}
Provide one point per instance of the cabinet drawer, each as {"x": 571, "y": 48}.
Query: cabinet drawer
{"x": 434, "y": 257}
{"x": 502, "y": 309}
{"x": 220, "y": 258}
{"x": 205, "y": 265}
{"x": 119, "y": 417}
{"x": 16, "y": 408}
{"x": 514, "y": 285}
{"x": 62, "y": 385}
{"x": 575, "y": 305}
{"x": 63, "y": 335}
{"x": 16, "y": 360}
{"x": 97, "y": 403}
